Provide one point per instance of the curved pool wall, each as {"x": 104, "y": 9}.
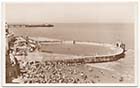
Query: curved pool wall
{"x": 116, "y": 55}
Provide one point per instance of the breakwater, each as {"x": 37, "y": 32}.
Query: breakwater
{"x": 118, "y": 52}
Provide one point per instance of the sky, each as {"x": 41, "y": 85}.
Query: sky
{"x": 70, "y": 12}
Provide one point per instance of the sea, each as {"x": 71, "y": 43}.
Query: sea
{"x": 103, "y": 32}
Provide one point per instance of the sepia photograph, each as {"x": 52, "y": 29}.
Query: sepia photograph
{"x": 70, "y": 43}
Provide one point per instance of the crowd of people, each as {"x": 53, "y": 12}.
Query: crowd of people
{"x": 53, "y": 72}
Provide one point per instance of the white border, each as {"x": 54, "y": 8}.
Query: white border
{"x": 3, "y": 44}
{"x": 69, "y": 1}
{"x": 96, "y": 84}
